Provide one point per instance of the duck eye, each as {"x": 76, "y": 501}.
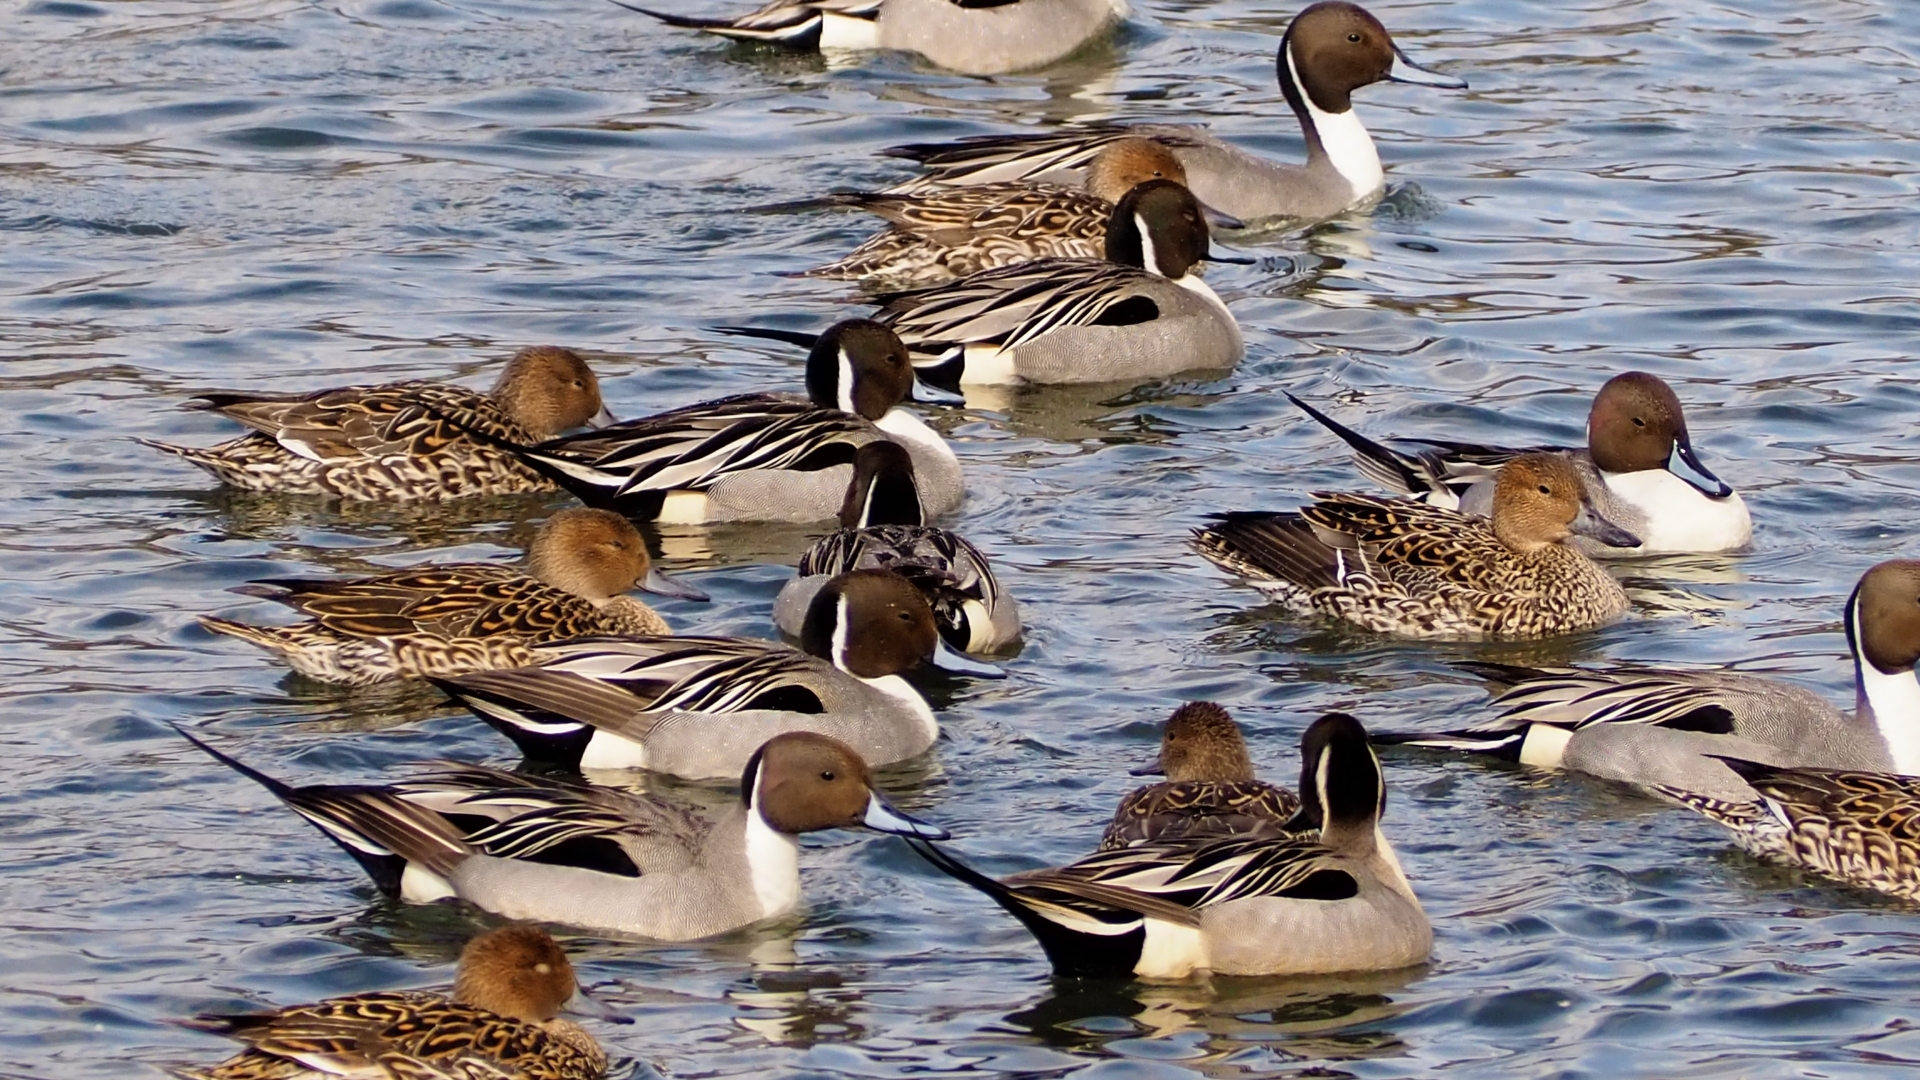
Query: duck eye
{"x": 1355, "y": 38}
{"x": 1637, "y": 422}
{"x": 1545, "y": 490}
{"x": 827, "y": 775}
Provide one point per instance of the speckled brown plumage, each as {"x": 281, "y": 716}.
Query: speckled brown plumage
{"x": 401, "y": 441}
{"x": 1862, "y": 828}
{"x": 1401, "y": 567}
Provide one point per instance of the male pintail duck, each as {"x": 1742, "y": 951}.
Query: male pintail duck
{"x": 944, "y": 234}
{"x": 763, "y": 457}
{"x": 967, "y": 36}
{"x": 883, "y": 528}
{"x": 1141, "y": 312}
{"x": 1668, "y": 728}
{"x": 1328, "y": 898}
{"x": 600, "y": 858}
{"x": 399, "y": 441}
{"x": 453, "y": 617}
{"x": 698, "y": 707}
{"x": 1862, "y": 828}
{"x": 1634, "y": 432}
{"x": 502, "y": 1020}
{"x": 1329, "y": 51}
{"x": 1400, "y": 567}
{"x": 1210, "y": 790}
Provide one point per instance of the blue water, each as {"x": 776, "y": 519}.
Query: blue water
{"x": 287, "y": 195}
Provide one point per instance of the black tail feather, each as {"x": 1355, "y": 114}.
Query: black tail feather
{"x": 1072, "y": 953}
{"x": 1504, "y": 745}
{"x": 1388, "y": 461}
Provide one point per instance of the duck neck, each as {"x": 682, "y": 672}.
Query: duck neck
{"x": 1889, "y": 703}
{"x": 1339, "y": 139}
{"x": 773, "y": 861}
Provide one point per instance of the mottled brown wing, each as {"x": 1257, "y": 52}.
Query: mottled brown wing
{"x": 462, "y": 600}
{"x": 412, "y": 419}
{"x": 1414, "y": 543}
{"x": 1199, "y": 810}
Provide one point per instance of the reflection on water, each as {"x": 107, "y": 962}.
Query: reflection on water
{"x": 287, "y": 196}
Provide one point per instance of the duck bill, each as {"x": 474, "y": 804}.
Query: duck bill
{"x": 1220, "y": 219}
{"x": 1702, "y": 479}
{"x": 1590, "y": 524}
{"x": 1156, "y": 767}
{"x": 1406, "y": 71}
{"x": 946, "y": 659}
{"x": 928, "y": 394}
{"x": 585, "y": 1004}
{"x": 1237, "y": 260}
{"x": 882, "y": 817}
{"x": 657, "y": 582}
{"x": 601, "y": 419}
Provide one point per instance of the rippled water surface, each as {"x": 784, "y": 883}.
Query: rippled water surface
{"x": 278, "y": 194}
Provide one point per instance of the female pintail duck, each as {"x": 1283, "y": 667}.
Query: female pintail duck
{"x": 1329, "y": 898}
{"x": 883, "y": 528}
{"x": 1862, "y": 828}
{"x": 1400, "y": 567}
{"x": 400, "y": 441}
{"x": 697, "y": 707}
{"x": 763, "y": 457}
{"x": 1667, "y": 728}
{"x": 963, "y": 36}
{"x": 600, "y": 858}
{"x": 1141, "y": 312}
{"x": 944, "y": 234}
{"x": 453, "y": 617}
{"x": 1634, "y": 432}
{"x": 1329, "y": 51}
{"x": 1210, "y": 790}
{"x": 502, "y": 1020}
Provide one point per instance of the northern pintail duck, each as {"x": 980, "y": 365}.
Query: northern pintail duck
{"x": 883, "y": 528}
{"x": 1210, "y": 790}
{"x": 600, "y": 858}
{"x": 698, "y": 707}
{"x": 1862, "y": 828}
{"x": 452, "y": 617}
{"x": 1634, "y": 432}
{"x": 501, "y": 1020}
{"x": 1330, "y": 898}
{"x": 1141, "y": 312}
{"x": 1329, "y": 51}
{"x": 968, "y": 37}
{"x": 943, "y": 234}
{"x": 400, "y": 441}
{"x": 1400, "y": 567}
{"x": 763, "y": 457}
{"x": 1649, "y": 727}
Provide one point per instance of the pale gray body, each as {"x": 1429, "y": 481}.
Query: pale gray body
{"x": 1190, "y": 334}
{"x": 708, "y": 890}
{"x": 1381, "y": 928}
{"x": 994, "y": 40}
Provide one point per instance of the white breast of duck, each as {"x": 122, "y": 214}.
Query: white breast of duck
{"x": 1636, "y": 433}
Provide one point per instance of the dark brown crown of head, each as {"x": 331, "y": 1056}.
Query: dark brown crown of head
{"x": 1888, "y": 612}
{"x": 1335, "y": 48}
{"x": 1201, "y": 742}
{"x": 882, "y": 491}
{"x": 1535, "y": 500}
{"x": 517, "y": 971}
{"x": 595, "y": 554}
{"x": 1123, "y": 164}
{"x": 861, "y": 363}
{"x": 1635, "y": 421}
{"x": 889, "y": 627}
{"x": 547, "y": 389}
{"x": 806, "y": 782}
{"x": 1162, "y": 215}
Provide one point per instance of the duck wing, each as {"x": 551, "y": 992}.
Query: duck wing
{"x": 456, "y": 600}
{"x": 1198, "y": 810}
{"x": 1012, "y": 305}
{"x": 409, "y": 419}
{"x": 983, "y": 159}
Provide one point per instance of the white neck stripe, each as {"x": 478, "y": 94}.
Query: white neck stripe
{"x": 846, "y": 382}
{"x": 1894, "y": 701}
{"x": 1149, "y": 259}
{"x": 1343, "y": 137}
